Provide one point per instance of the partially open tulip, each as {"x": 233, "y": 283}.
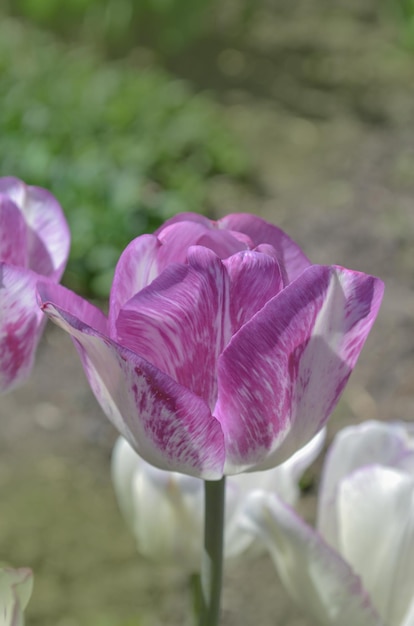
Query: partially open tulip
{"x": 165, "y": 510}
{"x": 358, "y": 569}
{"x": 15, "y": 591}
{"x": 34, "y": 245}
{"x": 225, "y": 350}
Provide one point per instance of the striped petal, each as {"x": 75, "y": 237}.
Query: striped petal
{"x": 282, "y": 374}
{"x": 21, "y": 324}
{"x": 167, "y": 425}
{"x": 13, "y": 234}
{"x": 259, "y": 231}
{"x": 148, "y": 256}
{"x": 49, "y": 237}
{"x": 71, "y": 303}
{"x": 137, "y": 267}
{"x": 178, "y": 322}
{"x": 178, "y": 237}
{"x": 182, "y": 322}
{"x": 254, "y": 279}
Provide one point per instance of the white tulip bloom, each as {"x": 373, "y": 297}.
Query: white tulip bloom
{"x": 15, "y": 591}
{"x": 358, "y": 569}
{"x": 165, "y": 510}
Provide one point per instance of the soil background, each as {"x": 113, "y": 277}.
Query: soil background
{"x": 325, "y": 107}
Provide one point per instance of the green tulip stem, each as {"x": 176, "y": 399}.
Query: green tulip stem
{"x": 212, "y": 560}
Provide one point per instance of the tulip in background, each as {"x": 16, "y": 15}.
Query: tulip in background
{"x": 224, "y": 350}
{"x": 34, "y": 245}
{"x": 165, "y": 510}
{"x": 358, "y": 568}
{"x": 15, "y": 591}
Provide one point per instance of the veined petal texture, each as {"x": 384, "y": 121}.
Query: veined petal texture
{"x": 48, "y": 232}
{"x": 13, "y": 234}
{"x": 167, "y": 424}
{"x": 34, "y": 245}
{"x": 283, "y": 372}
{"x": 21, "y": 324}
{"x": 229, "y": 317}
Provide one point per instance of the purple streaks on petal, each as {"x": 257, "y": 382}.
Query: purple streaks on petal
{"x": 254, "y": 279}
{"x": 289, "y": 254}
{"x": 72, "y": 304}
{"x": 137, "y": 267}
{"x": 255, "y": 387}
{"x": 48, "y": 232}
{"x": 178, "y": 323}
{"x": 13, "y": 234}
{"x": 168, "y": 425}
{"x": 282, "y": 374}
{"x": 222, "y": 243}
{"x": 21, "y": 324}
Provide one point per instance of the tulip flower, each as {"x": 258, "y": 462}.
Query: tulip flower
{"x": 224, "y": 350}
{"x": 15, "y": 591}
{"x": 34, "y": 245}
{"x": 358, "y": 567}
{"x": 165, "y": 510}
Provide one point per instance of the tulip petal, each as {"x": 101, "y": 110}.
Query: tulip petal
{"x": 290, "y": 255}
{"x": 255, "y": 278}
{"x": 147, "y": 256}
{"x": 409, "y": 616}
{"x": 376, "y": 535}
{"x": 13, "y": 234}
{"x": 137, "y": 267}
{"x": 178, "y": 237}
{"x": 283, "y": 372}
{"x": 177, "y": 323}
{"x": 168, "y": 425}
{"x": 186, "y": 216}
{"x": 282, "y": 480}
{"x": 49, "y": 239}
{"x": 321, "y": 583}
{"x": 184, "y": 319}
{"x": 164, "y": 510}
{"x": 21, "y": 324}
{"x": 372, "y": 442}
{"x": 67, "y": 300}
{"x": 15, "y": 590}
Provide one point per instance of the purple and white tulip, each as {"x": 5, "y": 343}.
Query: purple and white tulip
{"x": 165, "y": 510}
{"x": 15, "y": 590}
{"x": 358, "y": 567}
{"x": 34, "y": 245}
{"x": 224, "y": 350}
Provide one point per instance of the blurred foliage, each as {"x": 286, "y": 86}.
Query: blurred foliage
{"x": 121, "y": 148}
{"x": 407, "y": 17}
{"x": 116, "y": 24}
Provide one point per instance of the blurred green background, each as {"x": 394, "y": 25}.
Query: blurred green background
{"x": 130, "y": 111}
{"x": 110, "y": 103}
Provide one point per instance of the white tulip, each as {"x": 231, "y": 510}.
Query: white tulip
{"x": 165, "y": 510}
{"x": 15, "y": 591}
{"x": 358, "y": 569}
